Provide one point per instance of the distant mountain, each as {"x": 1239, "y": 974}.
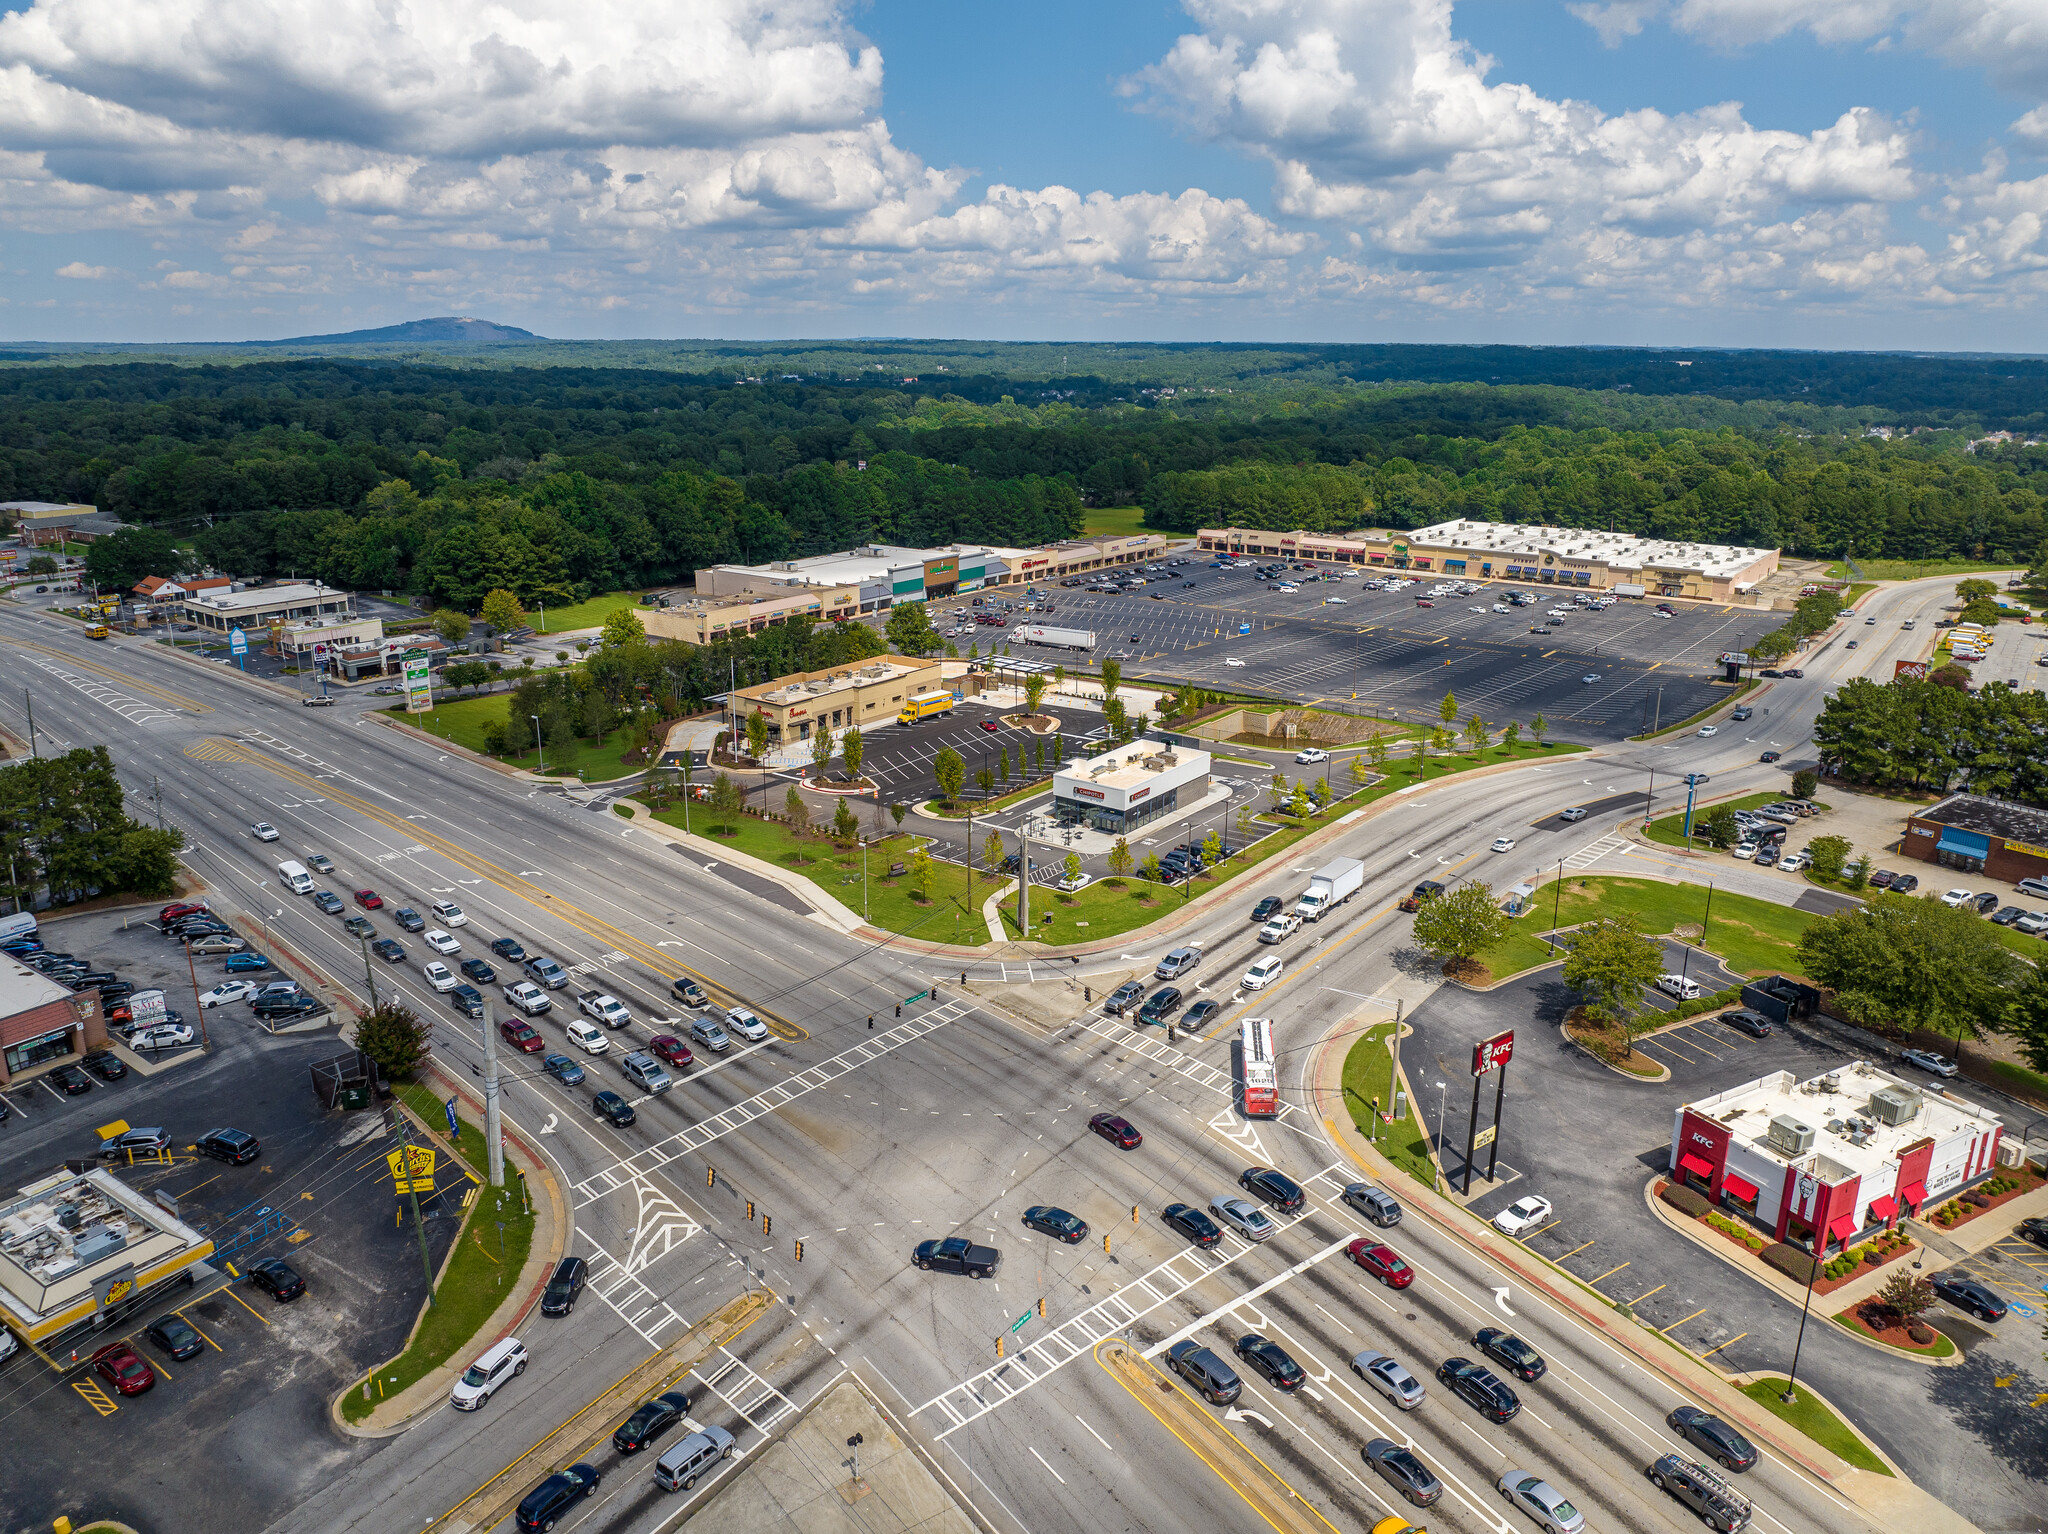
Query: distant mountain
{"x": 448, "y": 327}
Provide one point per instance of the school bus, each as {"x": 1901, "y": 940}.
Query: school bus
{"x": 97, "y": 631}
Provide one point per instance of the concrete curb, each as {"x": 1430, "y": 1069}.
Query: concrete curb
{"x": 1647, "y": 1081}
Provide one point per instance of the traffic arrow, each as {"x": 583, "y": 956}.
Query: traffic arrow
{"x": 1234, "y": 1414}
{"x": 549, "y": 1127}
{"x": 1500, "y": 1298}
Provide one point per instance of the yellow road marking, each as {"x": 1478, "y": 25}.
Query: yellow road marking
{"x": 95, "y": 1397}
{"x": 1546, "y": 655}
{"x": 1539, "y": 1230}
{"x": 1659, "y": 663}
{"x": 114, "y": 674}
{"x": 1710, "y": 1352}
{"x": 1608, "y": 1274}
{"x": 246, "y": 1305}
{"x": 1681, "y": 1320}
{"x": 1647, "y": 1293}
{"x": 1576, "y": 1250}
{"x": 199, "y": 1329}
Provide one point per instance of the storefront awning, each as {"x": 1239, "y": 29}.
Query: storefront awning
{"x": 1738, "y": 1187}
{"x": 1884, "y": 1208}
{"x": 1968, "y": 843}
{"x": 1699, "y": 1166}
{"x": 1914, "y": 1193}
{"x": 1842, "y": 1227}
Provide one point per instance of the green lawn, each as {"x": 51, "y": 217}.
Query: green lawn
{"x": 1816, "y": 1422}
{"x": 1915, "y": 569}
{"x": 1115, "y": 522}
{"x": 462, "y": 720}
{"x": 583, "y": 615}
{"x": 2018, "y": 1080}
{"x": 478, "y": 1276}
{"x": 970, "y": 802}
{"x": 1746, "y": 933}
{"x": 1670, "y": 832}
{"x": 1368, "y": 1074}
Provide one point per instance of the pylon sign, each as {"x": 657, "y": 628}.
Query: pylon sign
{"x": 412, "y": 1169}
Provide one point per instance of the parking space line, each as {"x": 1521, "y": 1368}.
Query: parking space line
{"x": 245, "y": 1305}
{"x": 199, "y": 1329}
{"x": 1608, "y": 1274}
{"x": 1681, "y": 1320}
{"x": 1647, "y": 1293}
{"x": 1575, "y": 1251}
{"x": 1539, "y": 1230}
{"x": 1710, "y": 1352}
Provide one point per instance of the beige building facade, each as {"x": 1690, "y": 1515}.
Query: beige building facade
{"x": 869, "y": 694}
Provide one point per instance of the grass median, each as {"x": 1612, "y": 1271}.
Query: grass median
{"x": 478, "y": 1276}
{"x": 1747, "y": 934}
{"x": 1814, "y": 1419}
{"x": 1368, "y": 1077}
{"x": 462, "y": 720}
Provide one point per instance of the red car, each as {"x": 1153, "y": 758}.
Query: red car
{"x": 1382, "y": 1262}
{"x": 990, "y": 725}
{"x": 1121, "y": 1133}
{"x": 669, "y": 1048}
{"x": 369, "y": 900}
{"x": 123, "y": 1368}
{"x": 521, "y": 1036}
{"x": 182, "y": 908}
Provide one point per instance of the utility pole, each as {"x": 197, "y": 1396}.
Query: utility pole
{"x": 494, "y": 1142}
{"x": 539, "y": 749}
{"x": 369, "y": 975}
{"x": 404, "y": 1126}
{"x": 1023, "y": 878}
{"x": 1394, "y": 1078}
{"x": 192, "y": 970}
{"x": 29, "y": 702}
{"x": 156, "y": 788}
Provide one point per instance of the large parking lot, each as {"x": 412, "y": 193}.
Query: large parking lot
{"x": 1333, "y": 639}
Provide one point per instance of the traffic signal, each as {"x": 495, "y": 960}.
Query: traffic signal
{"x": 750, "y": 1209}
{"x": 767, "y": 1223}
{"x": 999, "y": 1347}
{"x": 1041, "y": 1307}
{"x": 711, "y": 1177}
{"x": 1088, "y": 994}
{"x": 1134, "y": 1214}
{"x": 799, "y": 1251}
{"x": 1105, "y": 1243}
{"x": 899, "y": 1009}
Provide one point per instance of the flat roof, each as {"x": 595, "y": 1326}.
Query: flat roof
{"x": 22, "y": 988}
{"x": 258, "y": 597}
{"x": 58, "y": 1235}
{"x": 876, "y": 672}
{"x": 1616, "y": 550}
{"x": 1988, "y": 817}
{"x": 1134, "y": 765}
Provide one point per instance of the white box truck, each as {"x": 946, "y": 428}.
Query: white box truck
{"x": 1056, "y": 638}
{"x": 1331, "y": 885}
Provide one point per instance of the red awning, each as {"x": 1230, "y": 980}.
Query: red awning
{"x": 1737, "y": 1186}
{"x": 1914, "y": 1193}
{"x": 1884, "y": 1208}
{"x": 1843, "y": 1227}
{"x": 1699, "y": 1166}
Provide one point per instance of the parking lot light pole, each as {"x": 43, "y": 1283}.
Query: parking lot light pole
{"x": 539, "y": 749}
{"x": 193, "y": 970}
{"x": 1792, "y": 1376}
{"x": 494, "y": 1141}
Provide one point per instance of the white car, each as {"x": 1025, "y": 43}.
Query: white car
{"x": 1074, "y": 882}
{"x": 441, "y": 942}
{"x": 2033, "y": 922}
{"x": 1263, "y": 973}
{"x": 263, "y": 831}
{"x": 227, "y": 991}
{"x": 1710, "y": 729}
{"x": 1503, "y": 844}
{"x": 1590, "y": 678}
{"x": 1280, "y": 928}
{"x": 162, "y": 1036}
{"x": 1311, "y": 754}
{"x": 449, "y": 914}
{"x": 1523, "y": 1214}
{"x": 1797, "y": 863}
{"x": 439, "y": 976}
{"x": 1679, "y": 986}
{"x": 1232, "y": 660}
{"x": 1954, "y": 898}
{"x": 589, "y": 1039}
{"x": 1502, "y": 607}
{"x": 742, "y": 1022}
{"x": 1335, "y": 602}
{"x": 1475, "y": 609}
{"x": 1242, "y": 1216}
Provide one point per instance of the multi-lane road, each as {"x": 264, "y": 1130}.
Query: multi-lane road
{"x": 859, "y": 1143}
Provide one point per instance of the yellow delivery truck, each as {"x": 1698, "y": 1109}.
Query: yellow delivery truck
{"x": 924, "y": 705}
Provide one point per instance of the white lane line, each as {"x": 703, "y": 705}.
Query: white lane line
{"x": 1048, "y": 1468}
{"x": 1092, "y": 1433}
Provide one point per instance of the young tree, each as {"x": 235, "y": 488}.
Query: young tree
{"x": 844, "y": 826}
{"x": 1212, "y": 849}
{"x": 1717, "y": 826}
{"x": 1298, "y": 801}
{"x": 1512, "y": 735}
{"x": 1112, "y": 678}
{"x": 1034, "y": 691}
{"x": 798, "y": 811}
{"x": 1477, "y": 733}
{"x": 1447, "y": 710}
{"x": 727, "y": 800}
{"x": 1118, "y": 720}
{"x": 1539, "y": 727}
{"x": 494, "y": 733}
{"x": 1120, "y": 857}
{"x": 1613, "y": 964}
{"x": 1247, "y": 822}
{"x": 621, "y": 627}
{"x": 986, "y": 782}
{"x": 821, "y": 749}
{"x": 1829, "y": 854}
{"x": 1420, "y": 757}
{"x": 1907, "y": 1296}
{"x": 1322, "y": 793}
{"x": 757, "y": 735}
{"x": 501, "y": 610}
{"x": 1443, "y": 740}
{"x": 1072, "y": 866}
{"x": 853, "y": 750}
{"x": 1003, "y": 765}
{"x": 950, "y": 768}
{"x": 1857, "y": 874}
{"x": 1038, "y": 753}
{"x": 923, "y": 873}
{"x": 452, "y": 626}
{"x": 1804, "y": 782}
{"x": 1461, "y": 922}
{"x": 395, "y": 1037}
{"x": 1151, "y": 869}
{"x": 899, "y": 810}
{"x": 1059, "y": 674}
{"x": 910, "y": 630}
{"x": 992, "y": 851}
{"x": 1376, "y": 749}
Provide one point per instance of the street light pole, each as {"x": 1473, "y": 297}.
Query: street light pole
{"x": 539, "y": 749}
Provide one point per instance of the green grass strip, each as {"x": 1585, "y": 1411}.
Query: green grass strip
{"x": 1368, "y": 1074}
{"x": 1813, "y": 1419}
{"x": 1748, "y": 934}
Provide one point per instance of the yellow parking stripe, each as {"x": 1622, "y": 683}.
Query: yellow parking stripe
{"x": 1608, "y": 1274}
{"x": 199, "y": 1329}
{"x": 245, "y": 1305}
{"x": 1681, "y": 1321}
{"x": 95, "y": 1397}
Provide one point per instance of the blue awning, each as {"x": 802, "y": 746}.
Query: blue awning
{"x": 1968, "y": 843}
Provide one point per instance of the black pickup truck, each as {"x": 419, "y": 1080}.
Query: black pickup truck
{"x": 956, "y": 1254}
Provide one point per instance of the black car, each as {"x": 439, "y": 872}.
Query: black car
{"x": 1198, "y": 1015}
{"x": 234, "y": 1146}
{"x": 1984, "y": 903}
{"x": 467, "y": 1000}
{"x": 105, "y": 1064}
{"x": 274, "y": 1276}
{"x": 92, "y": 980}
{"x": 508, "y": 948}
{"x": 1163, "y": 1004}
{"x": 1477, "y": 1384}
{"x": 1049, "y": 1221}
{"x": 71, "y": 1079}
{"x": 567, "y": 1282}
{"x": 1905, "y": 884}
{"x": 1271, "y": 1360}
{"x": 480, "y": 972}
{"x": 1276, "y": 1188}
{"x": 1123, "y": 998}
{"x": 1511, "y": 1352}
{"x": 1403, "y": 1471}
{"x": 389, "y": 949}
{"x": 2034, "y": 1230}
{"x": 1755, "y": 1024}
{"x": 1967, "y": 1294}
{"x": 1192, "y": 1223}
{"x": 175, "y": 1337}
{"x": 1268, "y": 908}
{"x": 409, "y": 919}
{"x": 2006, "y": 915}
{"x": 610, "y": 1105}
{"x": 328, "y": 901}
{"x": 1705, "y": 1431}
{"x": 550, "y": 1500}
{"x": 654, "y": 1418}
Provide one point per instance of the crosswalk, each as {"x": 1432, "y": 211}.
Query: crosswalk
{"x": 1142, "y": 1041}
{"x": 1587, "y": 856}
{"x": 744, "y": 1393}
{"x": 629, "y": 1295}
{"x": 133, "y": 709}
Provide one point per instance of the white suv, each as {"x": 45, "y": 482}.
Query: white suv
{"x": 1679, "y": 986}
{"x": 480, "y": 1381}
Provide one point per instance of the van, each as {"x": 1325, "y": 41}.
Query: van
{"x": 646, "y": 1071}
{"x": 682, "y": 1464}
{"x": 545, "y": 971}
{"x": 293, "y": 876}
{"x": 21, "y": 924}
{"x": 1177, "y": 963}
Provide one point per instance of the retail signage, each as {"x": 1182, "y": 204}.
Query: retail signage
{"x": 419, "y": 686}
{"x": 1491, "y": 1054}
{"x": 238, "y": 642}
{"x": 112, "y": 1288}
{"x": 1143, "y": 793}
{"x": 1485, "y": 1137}
{"x": 1916, "y": 669}
{"x": 412, "y": 1169}
{"x": 1941, "y": 1182}
{"x": 1734, "y": 657}
{"x": 146, "y": 1008}
{"x": 1091, "y": 793}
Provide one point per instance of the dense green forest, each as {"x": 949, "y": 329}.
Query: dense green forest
{"x": 557, "y": 481}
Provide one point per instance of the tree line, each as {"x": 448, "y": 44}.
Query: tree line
{"x": 66, "y": 836}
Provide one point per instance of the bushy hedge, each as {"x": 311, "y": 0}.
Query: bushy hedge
{"x": 1790, "y": 1261}
{"x": 1714, "y": 1003}
{"x": 1685, "y": 1201}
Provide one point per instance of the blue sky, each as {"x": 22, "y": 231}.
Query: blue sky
{"x": 1811, "y": 172}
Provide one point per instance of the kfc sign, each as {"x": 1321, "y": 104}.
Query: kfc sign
{"x": 1491, "y": 1054}
{"x": 1708, "y": 1141}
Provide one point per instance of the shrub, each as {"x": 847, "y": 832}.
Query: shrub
{"x": 1754, "y": 1242}
{"x": 1920, "y": 1333}
{"x": 1685, "y": 1201}
{"x": 1872, "y": 1256}
{"x": 1790, "y": 1261}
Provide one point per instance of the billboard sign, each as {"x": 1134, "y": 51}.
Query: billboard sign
{"x": 1915, "y": 669}
{"x": 1734, "y": 657}
{"x": 146, "y": 1008}
{"x": 1491, "y": 1054}
{"x": 412, "y": 1168}
{"x": 419, "y": 686}
{"x": 238, "y": 642}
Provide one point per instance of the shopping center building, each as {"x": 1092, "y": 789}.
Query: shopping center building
{"x": 867, "y": 695}
{"x": 1516, "y": 551}
{"x": 42, "y": 1021}
{"x": 1126, "y": 788}
{"x": 1976, "y": 835}
{"x": 1848, "y": 1153}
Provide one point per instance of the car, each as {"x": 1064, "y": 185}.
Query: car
{"x": 669, "y": 1049}
{"x": 1381, "y": 1261}
{"x": 218, "y": 942}
{"x": 134, "y": 1142}
{"x": 122, "y": 1367}
{"x": 1210, "y": 1375}
{"x": 562, "y": 1068}
{"x": 162, "y": 1036}
{"x": 389, "y": 949}
{"x": 1262, "y": 972}
{"x": 1276, "y": 1188}
{"x": 1522, "y": 1215}
{"x": 521, "y": 1036}
{"x": 277, "y": 1278}
{"x": 1233, "y": 661}
{"x": 1242, "y": 1216}
{"x": 2033, "y": 923}
{"x": 1967, "y": 1294}
{"x": 1795, "y": 673}
{"x": 2008, "y": 915}
{"x": 2034, "y": 1230}
{"x": 1268, "y": 908}
{"x": 1478, "y": 1387}
{"x": 1376, "y": 1204}
{"x": 410, "y": 920}
{"x": 1589, "y": 678}
{"x": 369, "y": 900}
{"x": 1551, "y": 1508}
{"x": 1279, "y": 928}
{"x": 1755, "y": 1024}
{"x": 1198, "y": 1016}
{"x": 1703, "y": 1430}
{"x": 244, "y": 963}
{"x": 70, "y": 1080}
{"x": 586, "y": 1037}
{"x": 552, "y": 1499}
{"x": 320, "y": 863}
{"x": 1192, "y": 1223}
{"x": 1057, "y": 1223}
{"x": 2038, "y": 888}
{"x": 1983, "y": 903}
{"x": 564, "y": 1285}
{"x": 1161, "y": 1005}
{"x": 449, "y": 914}
{"x": 328, "y": 901}
{"x": 226, "y": 992}
{"x": 1905, "y": 884}
{"x": 1311, "y": 754}
{"x": 649, "y": 1421}
{"x": 1119, "y": 1131}
{"x": 359, "y": 927}
{"x": 990, "y": 725}
{"x": 494, "y": 1367}
{"x": 1798, "y": 862}
{"x": 1576, "y": 813}
{"x": 468, "y": 1000}
{"x": 742, "y": 1022}
{"x": 104, "y": 1064}
{"x": 1511, "y": 1352}
{"x": 689, "y": 993}
{"x": 286, "y": 1006}
{"x": 1385, "y": 1374}
{"x": 1503, "y": 844}
{"x": 611, "y": 1106}
{"x": 1272, "y": 1361}
{"x": 480, "y": 972}
{"x": 1123, "y": 998}
{"x": 1710, "y": 729}
{"x": 263, "y": 831}
{"x": 1402, "y": 1470}
{"x": 1074, "y": 882}
{"x": 1852, "y": 644}
{"x": 440, "y": 976}
{"x": 1678, "y": 986}
{"x": 175, "y": 1337}
{"x": 508, "y": 948}
{"x": 1927, "y": 1060}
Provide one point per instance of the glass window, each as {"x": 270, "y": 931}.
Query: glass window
{"x": 33, "y": 1052}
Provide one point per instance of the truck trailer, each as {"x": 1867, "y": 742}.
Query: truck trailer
{"x": 1057, "y": 638}
{"x": 1331, "y": 885}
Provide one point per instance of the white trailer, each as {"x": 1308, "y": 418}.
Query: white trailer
{"x": 1056, "y": 638}
{"x": 1331, "y": 885}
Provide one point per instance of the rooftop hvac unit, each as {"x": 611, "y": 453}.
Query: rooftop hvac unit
{"x": 1790, "y": 1136}
{"x": 1894, "y": 1105}
{"x": 97, "y": 1241}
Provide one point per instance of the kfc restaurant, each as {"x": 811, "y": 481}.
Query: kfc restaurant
{"x": 1823, "y": 1163}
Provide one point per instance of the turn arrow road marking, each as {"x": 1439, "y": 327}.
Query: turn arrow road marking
{"x": 1500, "y": 1298}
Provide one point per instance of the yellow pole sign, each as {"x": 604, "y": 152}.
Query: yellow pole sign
{"x": 412, "y": 1169}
